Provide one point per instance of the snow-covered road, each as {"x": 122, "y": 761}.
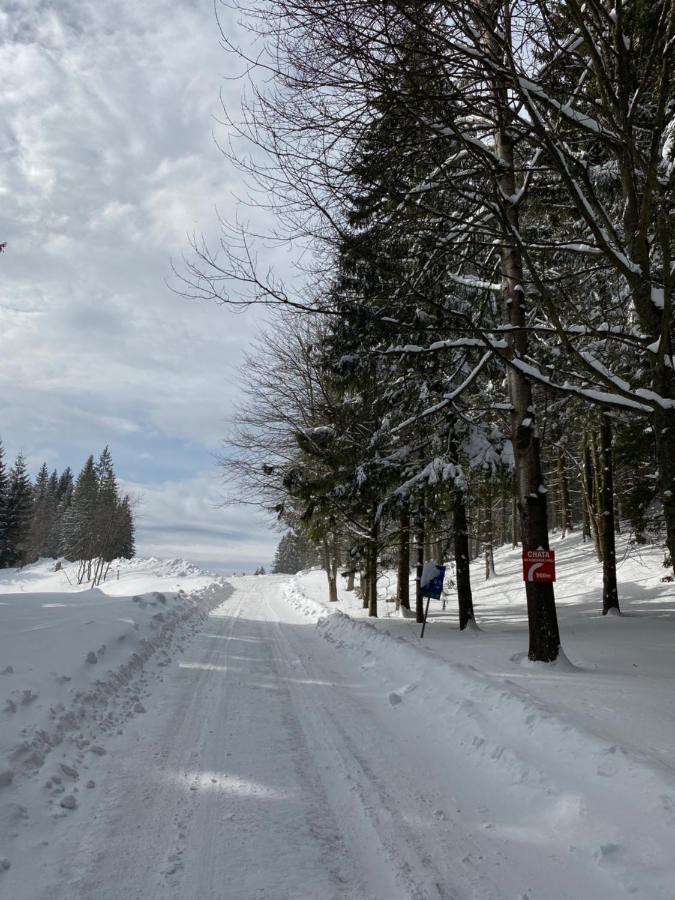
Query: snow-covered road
{"x": 272, "y": 763}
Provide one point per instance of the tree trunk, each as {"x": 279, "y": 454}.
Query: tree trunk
{"x": 589, "y": 496}
{"x": 564, "y": 492}
{"x": 328, "y": 566}
{"x": 350, "y": 580}
{"x": 617, "y": 513}
{"x": 462, "y": 567}
{"x": 502, "y": 514}
{"x": 335, "y": 562}
{"x": 372, "y": 571}
{"x": 488, "y": 535}
{"x": 541, "y": 612}
{"x": 428, "y": 553}
{"x": 610, "y": 593}
{"x": 403, "y": 584}
{"x": 515, "y": 536}
{"x": 586, "y": 524}
{"x": 664, "y": 440}
{"x": 419, "y": 549}
{"x": 475, "y": 532}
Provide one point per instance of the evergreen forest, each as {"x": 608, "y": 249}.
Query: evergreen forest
{"x": 83, "y": 519}
{"x": 479, "y": 347}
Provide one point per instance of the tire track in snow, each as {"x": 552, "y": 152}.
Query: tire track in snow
{"x": 396, "y": 864}
{"x": 141, "y": 818}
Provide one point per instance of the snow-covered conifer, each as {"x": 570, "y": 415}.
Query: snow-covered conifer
{"x": 19, "y": 513}
{"x": 4, "y": 510}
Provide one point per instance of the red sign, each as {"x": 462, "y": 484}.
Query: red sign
{"x": 539, "y": 565}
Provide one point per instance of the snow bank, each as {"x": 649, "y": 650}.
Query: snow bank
{"x": 599, "y": 797}
{"x": 300, "y": 601}
{"x": 75, "y": 664}
{"x": 617, "y": 679}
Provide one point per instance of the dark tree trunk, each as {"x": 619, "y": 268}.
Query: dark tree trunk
{"x": 515, "y": 530}
{"x": 475, "y": 533}
{"x": 610, "y": 593}
{"x": 488, "y": 534}
{"x": 462, "y": 567}
{"x": 428, "y": 553}
{"x": 372, "y": 571}
{"x": 331, "y": 573}
{"x": 419, "y": 563}
{"x": 617, "y": 513}
{"x": 350, "y": 580}
{"x": 541, "y": 612}
{"x": 335, "y": 562}
{"x": 564, "y": 493}
{"x": 502, "y": 515}
{"x": 586, "y": 523}
{"x": 664, "y": 440}
{"x": 589, "y": 496}
{"x": 403, "y": 583}
{"x": 657, "y": 326}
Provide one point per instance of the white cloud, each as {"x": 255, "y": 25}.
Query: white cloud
{"x": 186, "y": 518}
{"x": 106, "y": 163}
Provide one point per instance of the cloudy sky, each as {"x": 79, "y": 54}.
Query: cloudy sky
{"x": 107, "y": 163}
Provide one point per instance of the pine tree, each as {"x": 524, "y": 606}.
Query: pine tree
{"x": 4, "y": 499}
{"x": 79, "y": 524}
{"x": 19, "y": 513}
{"x": 87, "y": 521}
{"x": 64, "y": 499}
{"x": 126, "y": 545}
{"x": 51, "y": 547}
{"x": 65, "y": 486}
{"x": 41, "y": 520}
{"x": 294, "y": 552}
{"x": 107, "y": 502}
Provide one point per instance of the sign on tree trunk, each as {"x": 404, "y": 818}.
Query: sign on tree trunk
{"x": 539, "y": 565}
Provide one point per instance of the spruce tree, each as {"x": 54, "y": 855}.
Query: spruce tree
{"x": 19, "y": 513}
{"x": 41, "y": 520}
{"x": 51, "y": 547}
{"x": 106, "y": 515}
{"x": 64, "y": 499}
{"x": 79, "y": 524}
{"x": 4, "y": 499}
{"x": 294, "y": 552}
{"x": 65, "y": 485}
{"x": 126, "y": 540}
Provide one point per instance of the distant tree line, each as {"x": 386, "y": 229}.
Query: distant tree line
{"x": 84, "y": 519}
{"x": 294, "y": 553}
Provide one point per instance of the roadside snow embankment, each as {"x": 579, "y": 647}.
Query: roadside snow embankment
{"x": 592, "y": 795}
{"x": 75, "y": 662}
{"x": 294, "y": 595}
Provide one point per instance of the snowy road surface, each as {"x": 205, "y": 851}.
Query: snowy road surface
{"x": 272, "y": 763}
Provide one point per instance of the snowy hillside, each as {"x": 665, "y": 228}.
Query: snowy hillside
{"x": 75, "y": 665}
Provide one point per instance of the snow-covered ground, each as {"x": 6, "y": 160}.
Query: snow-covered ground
{"x": 288, "y": 751}
{"x": 75, "y": 666}
{"x": 589, "y": 742}
{"x": 617, "y": 675}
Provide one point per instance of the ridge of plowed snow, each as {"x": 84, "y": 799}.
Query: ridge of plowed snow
{"x": 75, "y": 663}
{"x": 610, "y": 798}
